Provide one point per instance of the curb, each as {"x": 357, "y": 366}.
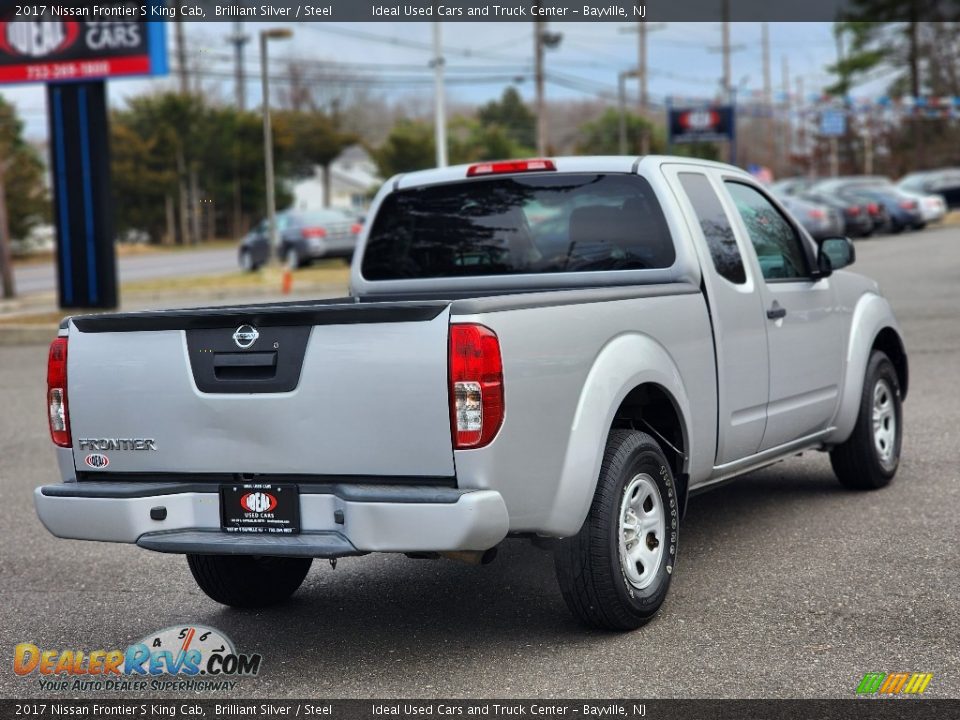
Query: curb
{"x": 15, "y": 335}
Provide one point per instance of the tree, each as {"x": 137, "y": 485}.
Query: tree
{"x": 28, "y": 202}
{"x": 510, "y": 114}
{"x": 877, "y": 36}
{"x": 169, "y": 152}
{"x": 408, "y": 147}
{"x": 311, "y": 138}
{"x": 602, "y": 136}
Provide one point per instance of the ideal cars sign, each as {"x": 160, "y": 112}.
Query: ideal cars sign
{"x": 701, "y": 124}
{"x": 54, "y": 48}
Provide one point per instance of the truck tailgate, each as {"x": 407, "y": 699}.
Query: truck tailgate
{"x": 326, "y": 390}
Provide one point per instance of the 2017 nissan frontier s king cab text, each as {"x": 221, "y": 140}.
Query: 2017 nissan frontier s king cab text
{"x": 562, "y": 350}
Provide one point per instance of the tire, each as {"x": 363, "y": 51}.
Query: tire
{"x": 598, "y": 588}
{"x": 248, "y": 581}
{"x": 247, "y": 263}
{"x": 291, "y": 258}
{"x": 869, "y": 458}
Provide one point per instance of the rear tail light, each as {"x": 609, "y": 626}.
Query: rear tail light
{"x": 476, "y": 386}
{"x": 873, "y": 209}
{"x": 313, "y": 232}
{"x": 510, "y": 166}
{"x": 356, "y": 228}
{"x": 853, "y": 211}
{"x": 57, "y": 410}
{"x": 817, "y": 214}
{"x": 908, "y": 204}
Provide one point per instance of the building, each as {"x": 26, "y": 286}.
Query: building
{"x": 353, "y": 175}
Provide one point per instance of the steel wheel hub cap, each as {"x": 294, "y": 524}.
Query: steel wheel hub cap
{"x": 884, "y": 423}
{"x": 641, "y": 531}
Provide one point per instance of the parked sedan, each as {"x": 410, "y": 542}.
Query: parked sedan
{"x": 302, "y": 236}
{"x": 903, "y": 212}
{"x": 933, "y": 207}
{"x": 944, "y": 182}
{"x": 857, "y": 218}
{"x": 821, "y": 221}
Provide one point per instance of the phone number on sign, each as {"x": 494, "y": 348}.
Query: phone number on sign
{"x": 61, "y": 71}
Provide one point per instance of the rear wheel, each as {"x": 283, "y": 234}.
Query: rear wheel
{"x": 247, "y": 263}
{"x": 292, "y": 258}
{"x": 615, "y": 572}
{"x": 248, "y": 581}
{"x": 868, "y": 460}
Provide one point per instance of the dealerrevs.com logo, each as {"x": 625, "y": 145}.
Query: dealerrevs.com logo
{"x": 181, "y": 658}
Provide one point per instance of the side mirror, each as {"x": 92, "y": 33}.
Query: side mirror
{"x": 837, "y": 252}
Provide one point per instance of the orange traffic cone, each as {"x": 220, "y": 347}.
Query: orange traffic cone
{"x": 287, "y": 284}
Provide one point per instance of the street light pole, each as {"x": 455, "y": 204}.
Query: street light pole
{"x": 439, "y": 101}
{"x": 265, "y": 37}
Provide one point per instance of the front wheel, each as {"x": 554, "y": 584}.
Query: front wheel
{"x": 248, "y": 581}
{"x": 292, "y": 258}
{"x": 615, "y": 572}
{"x": 868, "y": 460}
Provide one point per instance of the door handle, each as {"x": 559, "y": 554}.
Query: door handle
{"x": 776, "y": 311}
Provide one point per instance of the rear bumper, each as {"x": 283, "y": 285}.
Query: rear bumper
{"x": 336, "y": 520}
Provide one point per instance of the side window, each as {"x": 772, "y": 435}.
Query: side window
{"x": 779, "y": 248}
{"x": 716, "y": 227}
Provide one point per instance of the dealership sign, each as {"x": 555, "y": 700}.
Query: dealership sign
{"x": 701, "y": 124}
{"x": 54, "y": 49}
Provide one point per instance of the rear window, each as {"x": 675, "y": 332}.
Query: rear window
{"x": 519, "y": 224}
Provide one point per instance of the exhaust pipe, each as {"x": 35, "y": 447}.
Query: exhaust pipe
{"x": 472, "y": 557}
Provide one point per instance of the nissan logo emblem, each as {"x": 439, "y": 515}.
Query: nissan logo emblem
{"x": 245, "y": 336}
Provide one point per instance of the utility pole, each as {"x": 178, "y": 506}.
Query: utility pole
{"x": 238, "y": 40}
{"x": 787, "y": 143}
{"x": 642, "y": 77}
{"x": 801, "y": 125}
{"x": 6, "y": 257}
{"x": 181, "y": 43}
{"x": 768, "y": 93}
{"x": 439, "y": 100}
{"x": 539, "y": 28}
{"x": 725, "y": 31}
{"x": 622, "y": 97}
{"x": 727, "y": 50}
{"x": 642, "y": 28}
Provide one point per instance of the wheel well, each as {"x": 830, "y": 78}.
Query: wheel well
{"x": 890, "y": 343}
{"x": 651, "y": 409}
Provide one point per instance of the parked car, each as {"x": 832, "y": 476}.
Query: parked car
{"x": 302, "y": 236}
{"x": 944, "y": 182}
{"x": 857, "y": 219}
{"x": 819, "y": 219}
{"x": 903, "y": 211}
{"x": 477, "y": 385}
{"x": 792, "y": 186}
{"x": 933, "y": 208}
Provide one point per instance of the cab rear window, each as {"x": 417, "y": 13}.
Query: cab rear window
{"x": 552, "y": 223}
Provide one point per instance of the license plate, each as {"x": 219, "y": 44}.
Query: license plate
{"x": 260, "y": 508}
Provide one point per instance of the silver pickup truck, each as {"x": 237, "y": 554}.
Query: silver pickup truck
{"x": 561, "y": 350}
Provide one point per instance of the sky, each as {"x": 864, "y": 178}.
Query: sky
{"x": 482, "y": 58}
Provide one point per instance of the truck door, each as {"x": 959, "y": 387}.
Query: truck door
{"x": 736, "y": 313}
{"x": 804, "y": 325}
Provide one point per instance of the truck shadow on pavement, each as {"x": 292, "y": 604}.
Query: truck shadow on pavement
{"x": 377, "y": 609}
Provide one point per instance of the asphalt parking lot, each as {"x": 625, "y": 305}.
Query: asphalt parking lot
{"x": 787, "y": 585}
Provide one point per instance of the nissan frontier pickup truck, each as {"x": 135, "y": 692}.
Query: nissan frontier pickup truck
{"x": 561, "y": 349}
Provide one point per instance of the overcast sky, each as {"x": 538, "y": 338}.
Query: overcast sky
{"x": 682, "y": 58}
